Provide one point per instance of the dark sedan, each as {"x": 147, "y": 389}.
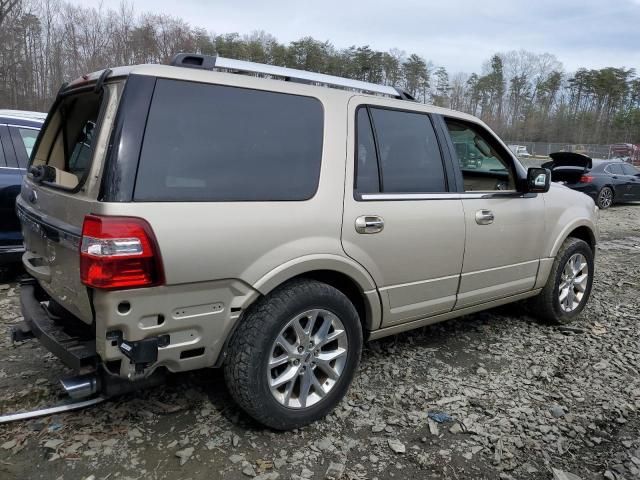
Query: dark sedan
{"x": 18, "y": 132}
{"x": 606, "y": 181}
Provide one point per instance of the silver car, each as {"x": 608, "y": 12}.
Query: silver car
{"x": 209, "y": 214}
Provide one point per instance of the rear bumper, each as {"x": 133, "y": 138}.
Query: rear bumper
{"x": 74, "y": 351}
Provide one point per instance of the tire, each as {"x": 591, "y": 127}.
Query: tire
{"x": 605, "y": 198}
{"x": 547, "y": 304}
{"x": 247, "y": 371}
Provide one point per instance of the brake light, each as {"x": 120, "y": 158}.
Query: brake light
{"x": 586, "y": 179}
{"x": 118, "y": 253}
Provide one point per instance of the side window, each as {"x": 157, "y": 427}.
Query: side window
{"x": 367, "y": 179}
{"x": 630, "y": 169}
{"x": 66, "y": 143}
{"x": 216, "y": 143}
{"x": 23, "y": 141}
{"x": 615, "y": 169}
{"x": 408, "y": 153}
{"x": 483, "y": 166}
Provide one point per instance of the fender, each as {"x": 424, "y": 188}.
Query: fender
{"x": 564, "y": 233}
{"x": 330, "y": 262}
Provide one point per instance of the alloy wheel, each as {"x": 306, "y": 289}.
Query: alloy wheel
{"x": 573, "y": 282}
{"x": 307, "y": 358}
{"x": 606, "y": 197}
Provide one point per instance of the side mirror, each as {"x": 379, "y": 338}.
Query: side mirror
{"x": 538, "y": 180}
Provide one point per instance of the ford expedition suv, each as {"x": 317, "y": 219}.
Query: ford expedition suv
{"x": 209, "y": 214}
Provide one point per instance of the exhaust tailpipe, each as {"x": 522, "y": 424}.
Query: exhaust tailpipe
{"x": 81, "y": 386}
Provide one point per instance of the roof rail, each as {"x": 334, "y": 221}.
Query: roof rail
{"x": 209, "y": 62}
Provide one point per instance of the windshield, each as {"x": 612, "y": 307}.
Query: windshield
{"x": 65, "y": 150}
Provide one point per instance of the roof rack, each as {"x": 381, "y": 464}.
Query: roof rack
{"x": 209, "y": 62}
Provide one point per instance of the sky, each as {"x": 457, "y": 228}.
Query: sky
{"x": 457, "y": 34}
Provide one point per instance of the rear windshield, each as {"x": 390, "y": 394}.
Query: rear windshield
{"x": 67, "y": 143}
{"x": 217, "y": 143}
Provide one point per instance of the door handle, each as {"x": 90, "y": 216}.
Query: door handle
{"x": 484, "y": 217}
{"x": 369, "y": 224}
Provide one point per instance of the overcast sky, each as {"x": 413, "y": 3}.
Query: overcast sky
{"x": 458, "y": 34}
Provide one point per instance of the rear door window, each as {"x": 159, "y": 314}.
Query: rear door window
{"x": 217, "y": 143}
{"x": 615, "y": 169}
{"x": 67, "y": 143}
{"x": 630, "y": 169}
{"x": 407, "y": 152}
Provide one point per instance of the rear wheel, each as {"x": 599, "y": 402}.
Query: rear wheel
{"x": 569, "y": 284}
{"x": 605, "y": 198}
{"x": 293, "y": 357}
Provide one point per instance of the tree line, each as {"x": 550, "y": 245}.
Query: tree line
{"x": 522, "y": 95}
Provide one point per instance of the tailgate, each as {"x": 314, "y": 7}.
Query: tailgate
{"x": 61, "y": 188}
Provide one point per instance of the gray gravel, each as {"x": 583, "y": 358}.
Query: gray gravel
{"x": 519, "y": 399}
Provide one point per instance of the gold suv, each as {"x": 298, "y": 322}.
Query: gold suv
{"x": 210, "y": 214}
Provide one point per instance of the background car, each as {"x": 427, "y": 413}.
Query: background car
{"x": 18, "y": 133}
{"x": 606, "y": 181}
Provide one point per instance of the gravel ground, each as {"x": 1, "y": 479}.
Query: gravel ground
{"x": 518, "y": 399}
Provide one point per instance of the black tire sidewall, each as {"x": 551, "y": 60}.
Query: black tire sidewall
{"x": 277, "y": 415}
{"x": 578, "y": 247}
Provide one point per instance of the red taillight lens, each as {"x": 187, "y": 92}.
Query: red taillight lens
{"x": 118, "y": 253}
{"x": 586, "y": 179}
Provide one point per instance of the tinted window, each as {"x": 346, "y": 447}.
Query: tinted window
{"x": 615, "y": 169}
{"x": 216, "y": 143}
{"x": 630, "y": 169}
{"x": 367, "y": 180}
{"x": 408, "y": 151}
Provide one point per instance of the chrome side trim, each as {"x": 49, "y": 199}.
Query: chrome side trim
{"x": 431, "y": 280}
{"x": 419, "y": 196}
{"x": 23, "y": 126}
{"x": 444, "y": 196}
{"x": 12, "y": 168}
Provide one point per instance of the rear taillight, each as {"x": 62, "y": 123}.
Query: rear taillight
{"x": 118, "y": 253}
{"x": 586, "y": 179}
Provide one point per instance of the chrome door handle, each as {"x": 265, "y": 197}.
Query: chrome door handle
{"x": 369, "y": 224}
{"x": 484, "y": 217}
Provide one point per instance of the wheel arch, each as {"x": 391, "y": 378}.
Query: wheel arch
{"x": 347, "y": 276}
{"x": 341, "y": 273}
{"x": 582, "y": 229}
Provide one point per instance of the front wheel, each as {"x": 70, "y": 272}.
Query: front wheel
{"x": 605, "y": 198}
{"x": 569, "y": 284}
{"x": 293, "y": 356}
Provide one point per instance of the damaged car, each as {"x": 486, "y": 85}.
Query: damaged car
{"x": 606, "y": 181}
{"x": 194, "y": 215}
